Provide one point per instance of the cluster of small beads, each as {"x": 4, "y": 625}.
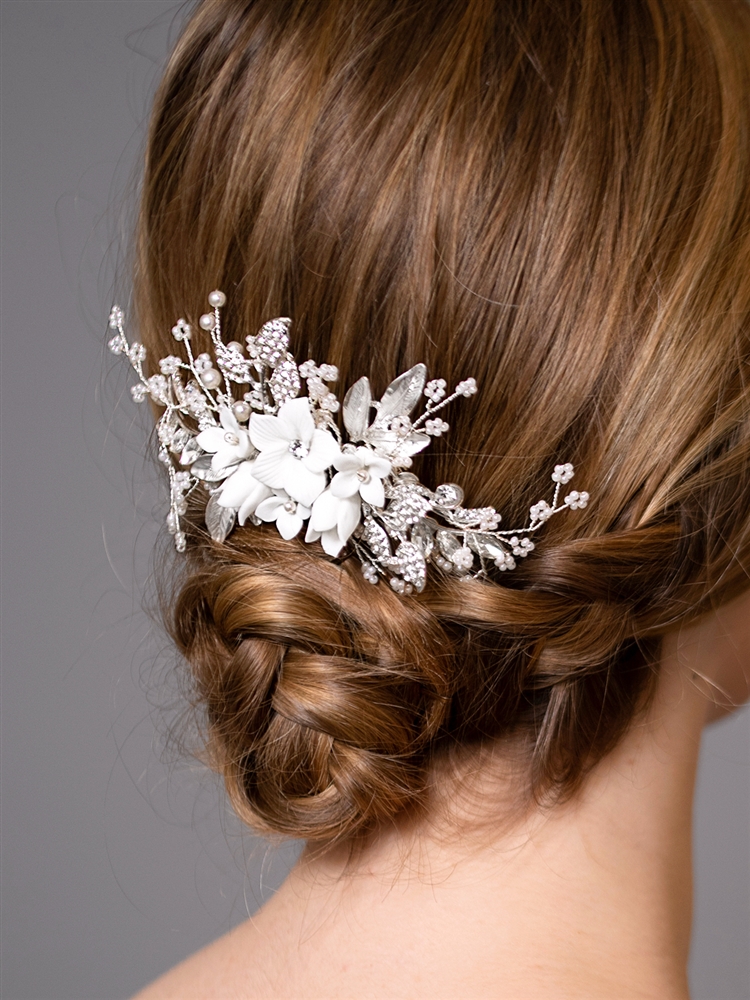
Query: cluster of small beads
{"x": 400, "y": 586}
{"x": 369, "y": 572}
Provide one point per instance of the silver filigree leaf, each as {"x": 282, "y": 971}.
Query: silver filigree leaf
{"x": 202, "y": 469}
{"x": 219, "y": 520}
{"x": 401, "y": 396}
{"x": 357, "y": 409}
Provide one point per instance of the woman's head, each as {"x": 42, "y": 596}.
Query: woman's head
{"x": 553, "y": 197}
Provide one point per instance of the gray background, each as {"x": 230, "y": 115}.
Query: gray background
{"x": 118, "y": 857}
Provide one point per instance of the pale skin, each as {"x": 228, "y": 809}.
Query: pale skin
{"x": 590, "y": 900}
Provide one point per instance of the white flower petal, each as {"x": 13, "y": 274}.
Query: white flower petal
{"x": 288, "y": 523}
{"x": 347, "y": 461}
{"x": 210, "y": 440}
{"x": 373, "y": 492}
{"x": 300, "y": 483}
{"x": 228, "y": 420}
{"x": 325, "y": 512}
{"x": 269, "y": 508}
{"x": 345, "y": 484}
{"x": 251, "y": 503}
{"x": 348, "y": 518}
{"x": 324, "y": 450}
{"x": 268, "y": 433}
{"x": 311, "y": 535}
{"x": 331, "y": 542}
{"x": 376, "y": 465}
{"x": 237, "y": 487}
{"x": 269, "y": 467}
{"x": 296, "y": 419}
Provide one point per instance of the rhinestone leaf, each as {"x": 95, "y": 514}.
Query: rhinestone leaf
{"x": 272, "y": 342}
{"x": 285, "y": 381}
{"x": 422, "y": 536}
{"x": 376, "y": 539}
{"x": 410, "y": 564}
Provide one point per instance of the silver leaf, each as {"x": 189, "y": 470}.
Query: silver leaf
{"x": 272, "y": 341}
{"x": 401, "y": 396}
{"x": 357, "y": 409}
{"x": 201, "y": 469}
{"x": 190, "y": 453}
{"x": 219, "y": 520}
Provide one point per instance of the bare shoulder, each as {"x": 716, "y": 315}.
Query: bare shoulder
{"x": 232, "y": 968}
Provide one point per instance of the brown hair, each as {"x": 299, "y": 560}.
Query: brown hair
{"x": 550, "y": 195}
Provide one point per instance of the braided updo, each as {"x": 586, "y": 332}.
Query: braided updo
{"x": 552, "y": 196}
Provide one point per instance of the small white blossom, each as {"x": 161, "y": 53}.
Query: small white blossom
{"x": 170, "y": 365}
{"x": 308, "y": 369}
{"x": 521, "y": 547}
{"x": 435, "y": 389}
{"x": 138, "y": 392}
{"x": 117, "y": 344}
{"x": 243, "y": 492}
{"x": 287, "y": 513}
{"x": 136, "y": 352}
{"x": 181, "y": 330}
{"x": 360, "y": 471}
{"x": 333, "y": 520}
{"x": 467, "y": 388}
{"x": 463, "y": 558}
{"x": 157, "y": 386}
{"x": 330, "y": 403}
{"x": 436, "y": 427}
{"x": 229, "y": 444}
{"x": 541, "y": 511}
{"x": 202, "y": 363}
{"x": 116, "y": 318}
{"x": 576, "y": 500}
{"x": 562, "y": 473}
{"x": 294, "y": 453}
{"x": 329, "y": 373}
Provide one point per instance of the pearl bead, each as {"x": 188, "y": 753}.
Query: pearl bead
{"x": 231, "y": 438}
{"x": 235, "y": 345}
{"x": 211, "y": 378}
{"x": 217, "y": 299}
{"x": 290, "y": 507}
{"x": 207, "y": 321}
{"x": 241, "y": 411}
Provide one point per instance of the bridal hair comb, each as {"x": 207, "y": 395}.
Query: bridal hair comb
{"x": 275, "y": 455}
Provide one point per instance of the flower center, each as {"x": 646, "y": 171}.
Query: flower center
{"x": 363, "y": 476}
{"x": 299, "y": 449}
{"x": 290, "y": 507}
{"x": 231, "y": 438}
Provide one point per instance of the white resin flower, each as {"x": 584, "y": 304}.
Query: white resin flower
{"x": 287, "y": 513}
{"x": 228, "y": 443}
{"x": 333, "y": 520}
{"x": 361, "y": 471}
{"x": 294, "y": 453}
{"x": 243, "y": 492}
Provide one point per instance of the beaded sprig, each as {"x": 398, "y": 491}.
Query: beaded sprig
{"x": 276, "y": 455}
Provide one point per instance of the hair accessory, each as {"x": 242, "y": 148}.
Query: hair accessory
{"x": 275, "y": 455}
